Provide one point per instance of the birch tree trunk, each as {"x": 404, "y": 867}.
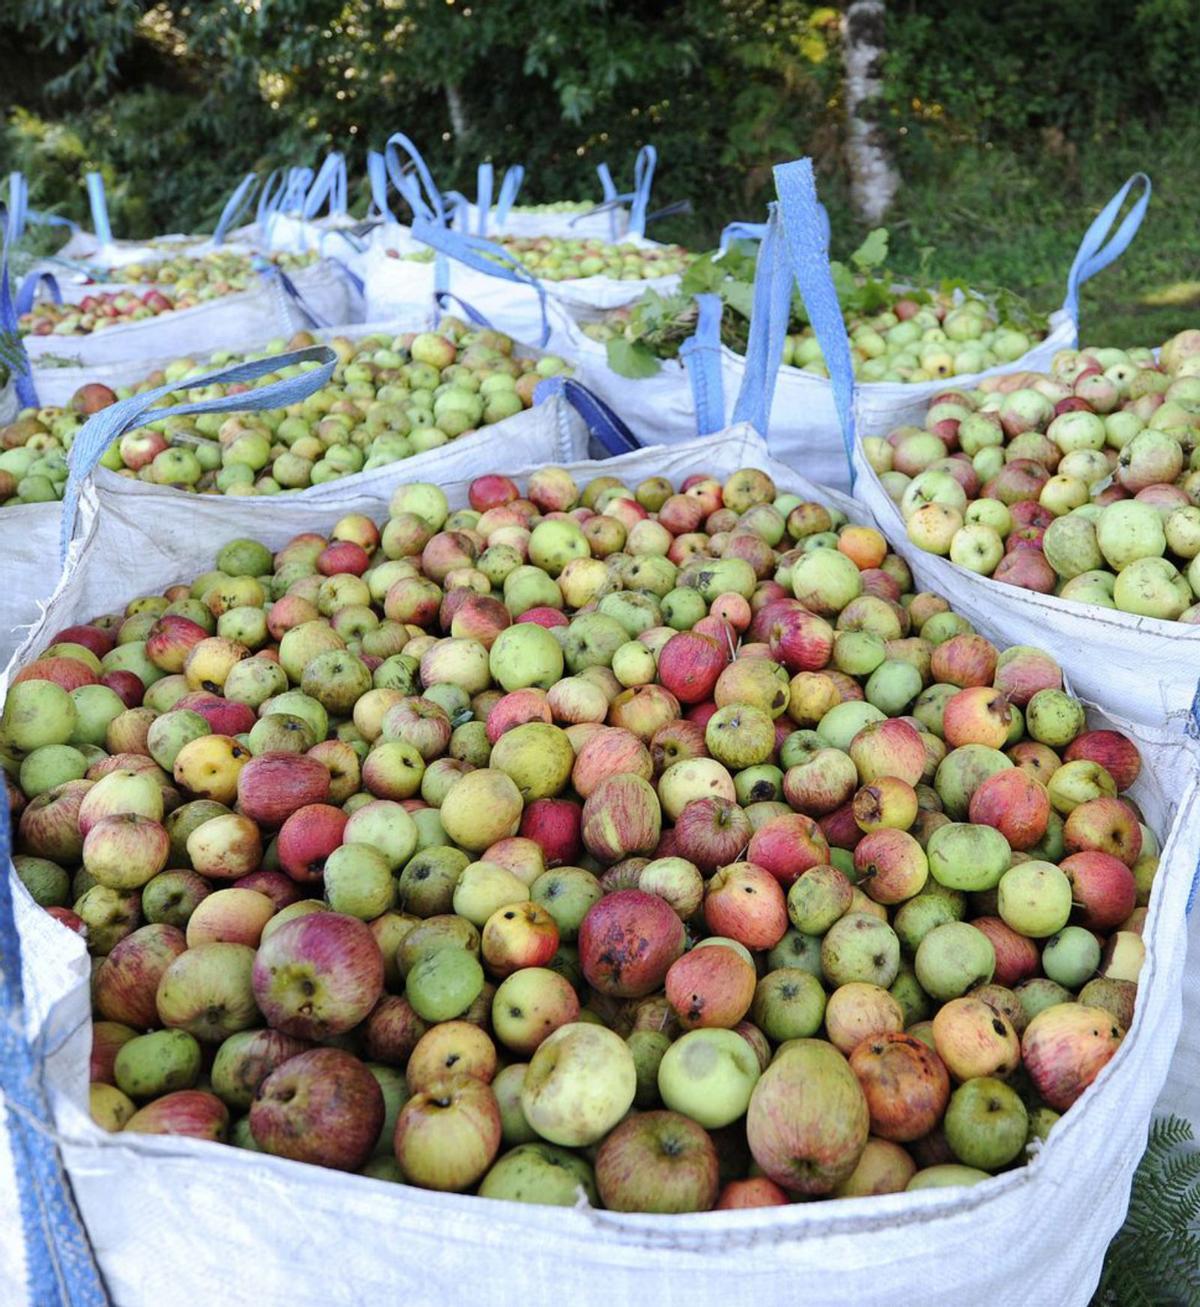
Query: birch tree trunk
{"x": 458, "y": 113}
{"x": 873, "y": 178}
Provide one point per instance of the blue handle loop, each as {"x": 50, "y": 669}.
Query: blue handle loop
{"x": 741, "y": 231}
{"x": 1100, "y": 246}
{"x": 417, "y": 187}
{"x": 44, "y": 219}
{"x": 486, "y": 257}
{"x": 27, "y": 293}
{"x": 510, "y": 188}
{"x": 673, "y": 210}
{"x": 378, "y": 179}
{"x": 329, "y": 186}
{"x": 1192, "y": 728}
{"x": 18, "y": 205}
{"x": 270, "y": 196}
{"x": 485, "y": 182}
{"x": 608, "y": 188}
{"x": 13, "y": 354}
{"x": 296, "y": 191}
{"x": 237, "y": 203}
{"x": 444, "y": 297}
{"x": 111, "y": 423}
{"x": 283, "y": 192}
{"x": 805, "y": 228}
{"x": 769, "y": 316}
{"x": 343, "y": 269}
{"x": 274, "y": 275}
{"x": 60, "y": 1265}
{"x": 99, "y": 205}
{"x": 701, "y": 354}
{"x": 643, "y": 180}
{"x": 756, "y": 231}
{"x": 610, "y": 430}
{"x": 460, "y": 210}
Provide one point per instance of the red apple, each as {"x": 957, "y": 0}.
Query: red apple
{"x": 1105, "y": 825}
{"x": 746, "y": 902}
{"x": 658, "y": 1162}
{"x": 621, "y": 816}
{"x": 108, "y": 1038}
{"x": 126, "y": 982}
{"x": 756, "y": 1192}
{"x": 712, "y": 832}
{"x": 627, "y": 943}
{"x": 788, "y": 846}
{"x": 307, "y": 837}
{"x": 318, "y": 975}
{"x": 1015, "y": 804}
{"x": 799, "y": 640}
{"x": 905, "y": 1083}
{"x": 392, "y": 1030}
{"x": 1017, "y": 957}
{"x": 1116, "y": 753}
{"x": 554, "y": 824}
{"x": 192, "y": 1112}
{"x": 274, "y": 785}
{"x": 711, "y": 986}
{"x": 689, "y": 665}
{"x": 448, "y": 1135}
{"x": 1065, "y": 1047}
{"x": 518, "y": 935}
{"x": 1103, "y": 889}
{"x": 323, "y": 1107}
{"x": 224, "y": 716}
{"x": 280, "y": 889}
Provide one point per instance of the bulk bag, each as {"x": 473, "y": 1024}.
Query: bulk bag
{"x": 169, "y": 1217}
{"x": 395, "y": 283}
{"x": 608, "y": 220}
{"x": 101, "y": 249}
{"x": 804, "y": 426}
{"x": 1145, "y": 668}
{"x": 292, "y": 222}
{"x": 320, "y": 295}
{"x": 39, "y": 534}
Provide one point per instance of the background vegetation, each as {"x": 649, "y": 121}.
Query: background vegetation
{"x": 1011, "y": 125}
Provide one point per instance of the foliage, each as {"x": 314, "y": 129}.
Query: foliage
{"x": 657, "y": 325}
{"x": 1011, "y": 125}
{"x": 1154, "y": 1261}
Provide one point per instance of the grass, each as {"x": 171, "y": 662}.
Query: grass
{"x": 999, "y": 217}
{"x": 995, "y": 219}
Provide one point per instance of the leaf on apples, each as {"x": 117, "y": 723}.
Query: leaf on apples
{"x": 631, "y": 359}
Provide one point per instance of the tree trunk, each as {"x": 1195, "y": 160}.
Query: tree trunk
{"x": 458, "y": 112}
{"x": 873, "y": 178}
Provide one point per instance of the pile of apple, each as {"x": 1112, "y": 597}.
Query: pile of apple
{"x": 95, "y": 313}
{"x": 556, "y": 258}
{"x": 559, "y": 258}
{"x": 390, "y": 397}
{"x": 659, "y": 844}
{"x": 912, "y": 341}
{"x": 556, "y": 206}
{"x": 193, "y": 280}
{"x": 1083, "y": 483}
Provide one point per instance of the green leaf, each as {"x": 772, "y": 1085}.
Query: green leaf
{"x": 739, "y": 295}
{"x": 843, "y": 282}
{"x": 631, "y": 359}
{"x": 873, "y": 251}
{"x": 703, "y": 275}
